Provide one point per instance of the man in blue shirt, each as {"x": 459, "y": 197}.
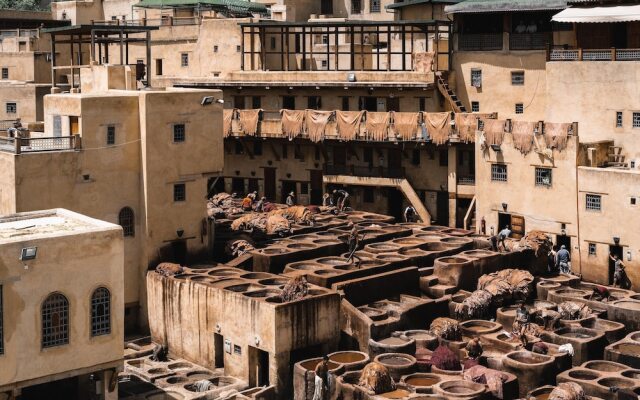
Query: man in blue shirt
{"x": 502, "y": 235}
{"x": 564, "y": 260}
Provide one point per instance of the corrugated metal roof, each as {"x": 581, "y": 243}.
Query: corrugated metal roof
{"x": 485, "y": 6}
{"x": 230, "y": 5}
{"x": 406, "y": 3}
{"x": 599, "y": 14}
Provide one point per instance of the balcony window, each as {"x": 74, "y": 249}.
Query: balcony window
{"x": 12, "y": 107}
{"x": 476, "y": 78}
{"x": 543, "y": 177}
{"x": 618, "y": 119}
{"x": 498, "y": 172}
{"x": 593, "y": 202}
{"x": 517, "y": 78}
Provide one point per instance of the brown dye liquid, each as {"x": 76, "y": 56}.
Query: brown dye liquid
{"x": 543, "y": 396}
{"x": 423, "y": 382}
{"x": 347, "y": 357}
{"x": 393, "y": 341}
{"x": 396, "y": 394}
{"x": 628, "y": 348}
{"x": 396, "y": 361}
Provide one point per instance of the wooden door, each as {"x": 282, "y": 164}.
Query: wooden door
{"x": 517, "y": 226}
{"x": 270, "y": 184}
{"x": 74, "y": 126}
{"x": 315, "y": 178}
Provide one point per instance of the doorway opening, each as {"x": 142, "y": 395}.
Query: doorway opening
{"x": 394, "y": 203}
{"x": 442, "y": 208}
{"x": 270, "y": 184}
{"x": 258, "y": 367}
{"x": 563, "y": 240}
{"x": 614, "y": 250}
{"x": 288, "y": 187}
{"x": 218, "y": 348}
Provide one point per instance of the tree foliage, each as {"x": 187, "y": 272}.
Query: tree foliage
{"x": 22, "y": 5}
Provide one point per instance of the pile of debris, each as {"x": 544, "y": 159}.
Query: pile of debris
{"x": 496, "y": 290}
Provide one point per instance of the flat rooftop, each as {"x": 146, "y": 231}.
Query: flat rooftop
{"x": 48, "y": 223}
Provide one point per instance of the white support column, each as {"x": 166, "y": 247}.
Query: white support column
{"x": 452, "y": 184}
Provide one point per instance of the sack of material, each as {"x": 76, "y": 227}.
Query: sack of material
{"x": 438, "y": 126}
{"x": 249, "y": 121}
{"x": 292, "y": 123}
{"x": 348, "y": 124}
{"x": 316, "y": 122}
{"x": 377, "y": 125}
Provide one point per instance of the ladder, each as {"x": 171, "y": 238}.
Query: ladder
{"x": 445, "y": 90}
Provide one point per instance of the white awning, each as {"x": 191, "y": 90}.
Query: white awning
{"x": 599, "y": 14}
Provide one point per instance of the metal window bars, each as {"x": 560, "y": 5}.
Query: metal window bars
{"x": 55, "y": 321}
{"x": 101, "y": 312}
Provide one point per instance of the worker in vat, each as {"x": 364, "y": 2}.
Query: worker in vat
{"x": 353, "y": 242}
{"x": 551, "y": 260}
{"x": 502, "y": 236}
{"x": 340, "y": 198}
{"x": 259, "y": 207}
{"x": 600, "y": 293}
{"x": 409, "y": 214}
{"x": 618, "y": 271}
{"x": 563, "y": 260}
{"x": 322, "y": 379}
{"x": 247, "y": 203}
{"x": 327, "y": 200}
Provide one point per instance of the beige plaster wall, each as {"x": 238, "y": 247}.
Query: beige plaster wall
{"x": 28, "y": 98}
{"x": 592, "y": 93}
{"x": 7, "y": 183}
{"x": 496, "y": 69}
{"x": 543, "y": 208}
{"x": 618, "y": 217}
{"x": 78, "y": 12}
{"x": 74, "y": 264}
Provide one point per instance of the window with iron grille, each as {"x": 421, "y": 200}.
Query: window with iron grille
{"x": 594, "y": 202}
{"x": 1, "y": 324}
{"x": 215, "y": 48}
{"x": 101, "y": 312}
{"x": 636, "y": 120}
{"x": 184, "y": 59}
{"x": 543, "y": 177}
{"x": 356, "y": 6}
{"x": 178, "y": 133}
{"x": 5, "y": 73}
{"x": 592, "y": 249}
{"x": 499, "y": 172}
{"x": 179, "y": 192}
{"x": 519, "y": 108}
{"x": 374, "y": 6}
{"x": 55, "y": 321}
{"x": 126, "y": 220}
{"x": 618, "y": 119}
{"x": 517, "y": 78}
{"x": 475, "y": 106}
{"x": 476, "y": 78}
{"x": 12, "y": 108}
{"x": 111, "y": 134}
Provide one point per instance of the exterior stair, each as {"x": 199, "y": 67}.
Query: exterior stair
{"x": 616, "y": 158}
{"x": 447, "y": 92}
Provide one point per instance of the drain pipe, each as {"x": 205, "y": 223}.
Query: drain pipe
{"x": 575, "y": 133}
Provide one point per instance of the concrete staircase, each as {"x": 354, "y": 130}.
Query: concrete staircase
{"x": 447, "y": 92}
{"x": 616, "y": 158}
{"x": 401, "y": 184}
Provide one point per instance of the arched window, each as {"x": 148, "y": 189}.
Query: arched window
{"x": 127, "y": 221}
{"x": 55, "y": 320}
{"x": 100, "y": 312}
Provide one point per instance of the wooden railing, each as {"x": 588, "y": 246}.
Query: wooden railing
{"x": 164, "y": 21}
{"x": 39, "y": 144}
{"x": 371, "y": 172}
{"x": 529, "y": 41}
{"x": 612, "y": 54}
{"x": 480, "y": 41}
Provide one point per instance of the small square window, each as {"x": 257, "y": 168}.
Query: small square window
{"x": 593, "y": 202}
{"x": 499, "y": 172}
{"x": 519, "y": 108}
{"x": 111, "y": 135}
{"x": 12, "y": 108}
{"x": 374, "y": 6}
{"x": 237, "y": 349}
{"x": 178, "y": 133}
{"x": 215, "y": 48}
{"x": 475, "y": 106}
{"x": 324, "y": 64}
{"x": 476, "y": 78}
{"x": 238, "y": 49}
{"x": 636, "y": 120}
{"x": 356, "y": 6}
{"x": 618, "y": 119}
{"x": 5, "y": 73}
{"x": 592, "y": 249}
{"x": 543, "y": 177}
{"x": 517, "y": 78}
{"x": 633, "y": 201}
{"x": 184, "y": 59}
{"x": 179, "y": 192}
